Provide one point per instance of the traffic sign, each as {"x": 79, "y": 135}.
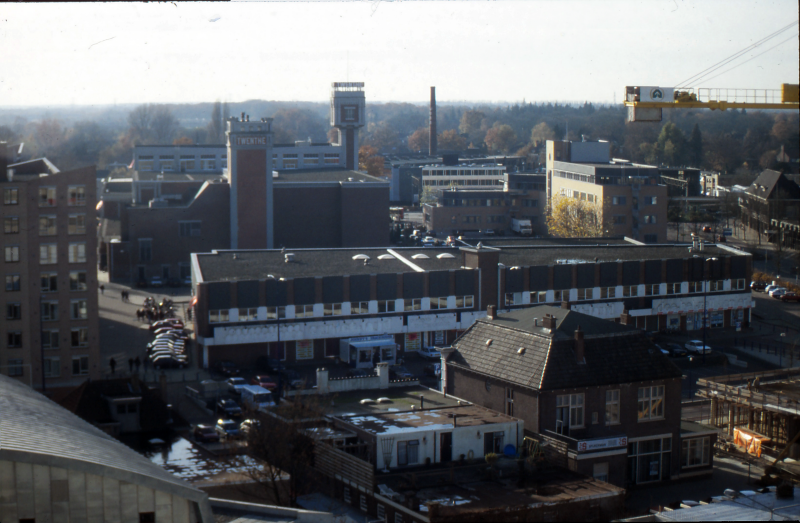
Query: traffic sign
{"x": 727, "y": 232}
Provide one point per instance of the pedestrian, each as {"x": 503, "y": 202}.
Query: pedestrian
{"x": 113, "y": 364}
{"x": 102, "y": 289}
{"x": 138, "y": 364}
{"x": 130, "y": 365}
{"x": 122, "y": 295}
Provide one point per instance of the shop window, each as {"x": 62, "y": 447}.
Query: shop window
{"x": 695, "y": 452}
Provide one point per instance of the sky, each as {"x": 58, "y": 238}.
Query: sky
{"x": 472, "y": 51}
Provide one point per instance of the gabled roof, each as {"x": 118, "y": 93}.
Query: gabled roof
{"x": 613, "y": 353}
{"x": 764, "y": 184}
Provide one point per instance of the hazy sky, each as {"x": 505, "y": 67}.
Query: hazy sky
{"x": 566, "y": 50}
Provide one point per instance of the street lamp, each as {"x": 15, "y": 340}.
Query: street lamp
{"x": 705, "y": 307}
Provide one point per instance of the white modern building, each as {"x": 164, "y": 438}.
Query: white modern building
{"x": 463, "y": 175}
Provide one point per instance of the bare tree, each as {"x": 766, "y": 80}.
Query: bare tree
{"x": 139, "y": 121}
{"x": 215, "y": 127}
{"x": 163, "y": 125}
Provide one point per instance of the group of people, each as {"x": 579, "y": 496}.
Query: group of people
{"x": 155, "y": 311}
{"x": 132, "y": 363}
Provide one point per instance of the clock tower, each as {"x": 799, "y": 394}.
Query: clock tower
{"x": 348, "y": 115}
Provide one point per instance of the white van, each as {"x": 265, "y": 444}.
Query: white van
{"x": 256, "y": 398}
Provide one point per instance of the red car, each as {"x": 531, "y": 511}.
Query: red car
{"x": 264, "y": 381}
{"x": 206, "y": 433}
{"x": 707, "y": 229}
{"x": 790, "y": 296}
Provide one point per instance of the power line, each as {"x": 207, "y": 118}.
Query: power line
{"x": 697, "y": 77}
{"x": 793, "y": 37}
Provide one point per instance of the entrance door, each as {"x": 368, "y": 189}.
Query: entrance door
{"x": 446, "y": 444}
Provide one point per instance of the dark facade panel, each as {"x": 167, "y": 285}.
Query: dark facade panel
{"x": 696, "y": 269}
{"x": 562, "y": 277}
{"x": 304, "y": 291}
{"x": 387, "y": 287}
{"x": 608, "y": 274}
{"x": 219, "y": 295}
{"x": 585, "y": 275}
{"x": 247, "y": 294}
{"x": 465, "y": 283}
{"x": 513, "y": 280}
{"x": 332, "y": 289}
{"x": 630, "y": 273}
{"x": 539, "y": 276}
{"x": 674, "y": 271}
{"x": 652, "y": 272}
{"x": 277, "y": 294}
{"x": 439, "y": 283}
{"x": 738, "y": 267}
{"x": 715, "y": 268}
{"x": 413, "y": 285}
{"x": 359, "y": 287}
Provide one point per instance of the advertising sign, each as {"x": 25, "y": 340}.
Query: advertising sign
{"x": 727, "y": 231}
{"x": 597, "y": 444}
{"x": 252, "y": 140}
{"x": 413, "y": 341}
{"x": 305, "y": 350}
{"x": 656, "y": 94}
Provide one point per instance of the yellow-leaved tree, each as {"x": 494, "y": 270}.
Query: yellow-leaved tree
{"x": 574, "y": 218}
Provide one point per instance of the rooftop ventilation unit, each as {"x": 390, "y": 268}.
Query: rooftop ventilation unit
{"x": 288, "y": 257}
{"x": 445, "y": 256}
{"x": 420, "y": 257}
{"x": 361, "y": 257}
{"x": 386, "y": 257}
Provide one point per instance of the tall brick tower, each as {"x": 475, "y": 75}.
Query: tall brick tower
{"x": 348, "y": 115}
{"x": 250, "y": 176}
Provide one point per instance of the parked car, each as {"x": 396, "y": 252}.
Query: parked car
{"x": 235, "y": 385}
{"x": 156, "y": 281}
{"x": 675, "y": 350}
{"x": 226, "y": 368}
{"x": 175, "y": 323}
{"x": 229, "y": 408}
{"x": 790, "y": 296}
{"x": 164, "y": 361}
{"x": 778, "y": 292}
{"x": 248, "y": 426}
{"x": 757, "y": 286}
{"x": 488, "y": 232}
{"x": 227, "y": 429}
{"x": 293, "y": 379}
{"x": 430, "y": 353}
{"x": 264, "y": 381}
{"x": 707, "y": 228}
{"x": 431, "y": 369}
{"x": 664, "y": 351}
{"x": 399, "y": 372}
{"x": 205, "y": 434}
{"x": 770, "y": 287}
{"x": 697, "y": 346}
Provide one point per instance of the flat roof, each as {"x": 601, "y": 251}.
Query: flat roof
{"x": 553, "y": 255}
{"x": 433, "y": 419}
{"x": 517, "y": 241}
{"x": 322, "y": 175}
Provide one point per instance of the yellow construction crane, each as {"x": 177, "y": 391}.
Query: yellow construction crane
{"x": 646, "y": 102}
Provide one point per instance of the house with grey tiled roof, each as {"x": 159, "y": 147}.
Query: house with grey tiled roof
{"x": 597, "y": 396}
{"x": 56, "y": 467}
{"x": 770, "y": 199}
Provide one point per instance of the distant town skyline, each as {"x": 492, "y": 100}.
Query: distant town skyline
{"x": 472, "y": 51}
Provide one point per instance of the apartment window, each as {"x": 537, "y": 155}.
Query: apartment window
{"x": 381, "y": 512}
{"x": 12, "y": 282}
{"x": 218, "y": 316}
{"x": 530, "y": 203}
{"x": 649, "y": 218}
{"x": 77, "y": 252}
{"x": 651, "y": 290}
{"x": 49, "y": 281}
{"x": 331, "y": 158}
{"x": 630, "y": 290}
{"x": 13, "y": 311}
{"x": 569, "y": 412}
{"x": 50, "y": 338}
{"x": 695, "y": 286}
{"x": 650, "y": 200}
{"x": 513, "y": 298}
{"x": 649, "y": 460}
{"x": 77, "y": 224}
{"x": 612, "y": 407}
{"x": 493, "y": 442}
{"x": 585, "y": 294}
{"x": 674, "y": 288}
{"x": 464, "y": 302}
{"x": 52, "y": 367}
{"x": 303, "y": 311}
{"x": 77, "y": 281}
{"x": 359, "y": 307}
{"x": 48, "y": 254}
{"x": 79, "y": 337}
{"x": 619, "y": 200}
{"x": 363, "y": 503}
{"x": 695, "y": 452}
{"x": 14, "y": 339}
{"x": 78, "y": 310}
{"x": 408, "y": 452}
{"x": 47, "y": 225}
{"x": 276, "y": 313}
{"x": 12, "y": 253}
{"x": 11, "y": 225}
{"x": 738, "y": 284}
{"x": 539, "y": 297}
{"x": 716, "y": 286}
{"x": 80, "y": 365}
{"x": 557, "y": 295}
{"x": 510, "y": 402}
{"x": 145, "y": 249}
{"x": 49, "y": 311}
{"x": 249, "y": 314}
{"x": 332, "y": 309}
{"x": 414, "y": 304}
{"x": 398, "y": 517}
{"x": 600, "y": 471}
{"x": 77, "y": 195}
{"x": 346, "y": 495}
{"x": 386, "y": 306}
{"x": 11, "y": 196}
{"x": 651, "y": 403}
{"x": 47, "y": 196}
{"x": 608, "y": 292}
{"x": 15, "y": 368}
{"x": 438, "y": 303}
{"x": 618, "y": 219}
{"x": 189, "y": 228}
{"x": 145, "y": 166}
{"x": 471, "y": 219}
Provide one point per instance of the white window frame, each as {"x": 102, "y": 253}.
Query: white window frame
{"x": 83, "y": 370}
{"x": 49, "y": 310}
{"x": 78, "y": 199}
{"x": 612, "y": 407}
{"x": 77, "y": 252}
{"x": 52, "y": 367}
{"x": 76, "y": 224}
{"x": 50, "y": 277}
{"x": 79, "y": 286}
{"x": 48, "y": 192}
{"x": 82, "y": 339}
{"x": 79, "y": 309}
{"x": 691, "y": 447}
{"x": 648, "y": 399}
{"x": 50, "y": 252}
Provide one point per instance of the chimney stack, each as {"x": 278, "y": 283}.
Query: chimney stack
{"x": 565, "y": 304}
{"x": 625, "y": 318}
{"x": 433, "y": 144}
{"x": 491, "y": 312}
{"x": 455, "y": 420}
{"x": 580, "y": 354}
{"x": 549, "y": 322}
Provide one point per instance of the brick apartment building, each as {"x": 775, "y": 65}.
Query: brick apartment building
{"x": 296, "y": 305}
{"x": 631, "y": 197}
{"x": 49, "y": 330}
{"x": 603, "y": 398}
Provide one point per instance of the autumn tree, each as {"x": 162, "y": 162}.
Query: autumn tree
{"x": 500, "y": 138}
{"x": 540, "y": 134}
{"x": 574, "y": 218}
{"x": 370, "y": 161}
{"x": 671, "y": 145}
{"x": 473, "y": 124}
{"x": 419, "y": 139}
{"x": 450, "y": 140}
{"x": 383, "y": 137}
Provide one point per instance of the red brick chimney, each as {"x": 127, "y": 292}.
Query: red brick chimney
{"x": 549, "y": 322}
{"x": 491, "y": 312}
{"x": 565, "y": 304}
{"x": 625, "y": 318}
{"x": 580, "y": 353}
